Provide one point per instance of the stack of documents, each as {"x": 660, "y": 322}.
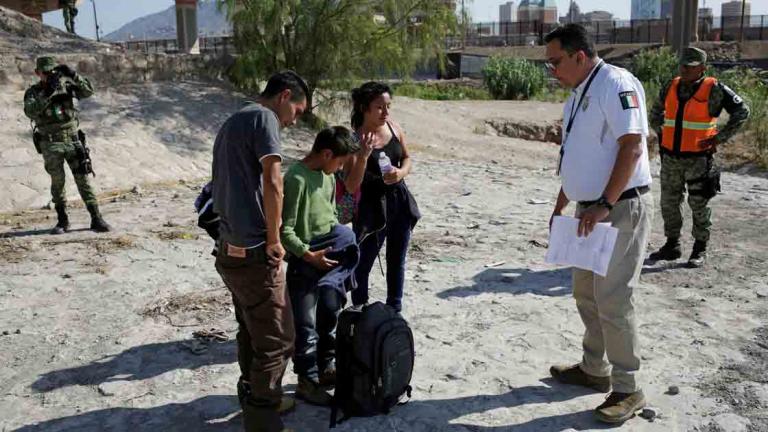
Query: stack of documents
{"x": 591, "y": 253}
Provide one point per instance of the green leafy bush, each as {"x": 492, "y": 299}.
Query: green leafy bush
{"x": 433, "y": 91}
{"x": 655, "y": 67}
{"x": 753, "y": 87}
{"x": 513, "y": 78}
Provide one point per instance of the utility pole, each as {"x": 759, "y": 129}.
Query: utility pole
{"x": 96, "y": 21}
{"x": 741, "y": 29}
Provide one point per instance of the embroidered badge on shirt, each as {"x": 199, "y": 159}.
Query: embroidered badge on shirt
{"x": 585, "y": 103}
{"x": 629, "y": 100}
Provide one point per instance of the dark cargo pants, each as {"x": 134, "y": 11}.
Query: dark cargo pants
{"x": 266, "y": 334}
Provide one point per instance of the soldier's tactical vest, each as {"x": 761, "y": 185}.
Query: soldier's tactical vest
{"x": 60, "y": 114}
{"x": 686, "y": 125}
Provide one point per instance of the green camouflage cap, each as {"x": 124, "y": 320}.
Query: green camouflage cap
{"x": 693, "y": 57}
{"x": 45, "y": 64}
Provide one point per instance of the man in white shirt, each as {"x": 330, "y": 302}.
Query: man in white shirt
{"x": 604, "y": 168}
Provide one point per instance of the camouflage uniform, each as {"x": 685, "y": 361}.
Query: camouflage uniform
{"x": 70, "y": 12}
{"x": 50, "y": 105}
{"x": 678, "y": 172}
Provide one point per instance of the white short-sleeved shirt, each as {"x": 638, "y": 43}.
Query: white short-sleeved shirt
{"x": 613, "y": 106}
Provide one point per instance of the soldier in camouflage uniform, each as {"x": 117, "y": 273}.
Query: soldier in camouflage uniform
{"x": 685, "y": 119}
{"x": 50, "y": 105}
{"x": 69, "y": 9}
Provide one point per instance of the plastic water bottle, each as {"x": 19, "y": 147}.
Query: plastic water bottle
{"x": 384, "y": 163}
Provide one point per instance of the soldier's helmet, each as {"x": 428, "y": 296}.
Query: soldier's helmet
{"x": 45, "y": 64}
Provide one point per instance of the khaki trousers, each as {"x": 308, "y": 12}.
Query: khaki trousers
{"x": 605, "y": 303}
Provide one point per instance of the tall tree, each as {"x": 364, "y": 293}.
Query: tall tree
{"x": 336, "y": 39}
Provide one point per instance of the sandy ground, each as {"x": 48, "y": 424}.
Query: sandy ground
{"x": 98, "y": 329}
{"x": 141, "y": 133}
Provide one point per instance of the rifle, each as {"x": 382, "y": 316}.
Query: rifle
{"x": 84, "y": 155}
{"x": 36, "y": 137}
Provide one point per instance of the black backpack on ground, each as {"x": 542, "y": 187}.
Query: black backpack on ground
{"x": 374, "y": 361}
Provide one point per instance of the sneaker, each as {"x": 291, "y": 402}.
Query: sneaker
{"x": 310, "y": 391}
{"x": 669, "y": 252}
{"x": 698, "y": 255}
{"x": 328, "y": 377}
{"x": 575, "y": 376}
{"x": 620, "y": 407}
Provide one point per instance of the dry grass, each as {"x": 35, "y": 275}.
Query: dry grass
{"x": 192, "y": 309}
{"x": 176, "y": 235}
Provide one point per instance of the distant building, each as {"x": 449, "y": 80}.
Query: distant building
{"x": 666, "y": 9}
{"x": 706, "y": 22}
{"x": 544, "y": 11}
{"x": 646, "y": 9}
{"x": 597, "y": 15}
{"x": 508, "y": 12}
{"x": 731, "y": 13}
{"x": 573, "y": 15}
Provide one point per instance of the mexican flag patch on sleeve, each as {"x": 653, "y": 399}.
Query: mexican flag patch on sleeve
{"x": 629, "y": 100}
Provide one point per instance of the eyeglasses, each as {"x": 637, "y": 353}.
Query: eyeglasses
{"x": 554, "y": 64}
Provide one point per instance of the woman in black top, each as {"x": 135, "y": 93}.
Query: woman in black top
{"x": 387, "y": 210}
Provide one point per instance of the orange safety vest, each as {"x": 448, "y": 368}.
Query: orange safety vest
{"x": 696, "y": 123}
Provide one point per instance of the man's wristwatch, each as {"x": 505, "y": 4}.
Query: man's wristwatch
{"x": 603, "y": 202}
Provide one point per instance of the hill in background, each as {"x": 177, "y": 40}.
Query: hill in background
{"x": 162, "y": 25}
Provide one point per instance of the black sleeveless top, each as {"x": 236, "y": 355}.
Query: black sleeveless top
{"x": 378, "y": 199}
{"x": 394, "y": 150}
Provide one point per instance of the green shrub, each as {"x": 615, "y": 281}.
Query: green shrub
{"x": 513, "y": 78}
{"x": 655, "y": 67}
{"x": 442, "y": 91}
{"x": 748, "y": 84}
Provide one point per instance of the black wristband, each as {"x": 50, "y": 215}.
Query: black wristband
{"x": 603, "y": 202}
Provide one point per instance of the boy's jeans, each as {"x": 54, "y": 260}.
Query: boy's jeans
{"x": 316, "y": 313}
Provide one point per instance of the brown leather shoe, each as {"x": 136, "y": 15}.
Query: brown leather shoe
{"x": 287, "y": 404}
{"x": 620, "y": 407}
{"x": 575, "y": 376}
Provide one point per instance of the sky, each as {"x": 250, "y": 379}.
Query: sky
{"x": 115, "y": 13}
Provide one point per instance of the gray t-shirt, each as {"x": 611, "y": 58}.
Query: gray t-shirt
{"x": 243, "y": 141}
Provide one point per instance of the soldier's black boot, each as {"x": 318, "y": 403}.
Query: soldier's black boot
{"x": 98, "y": 224}
{"x": 669, "y": 252}
{"x": 698, "y": 255}
{"x": 62, "y": 225}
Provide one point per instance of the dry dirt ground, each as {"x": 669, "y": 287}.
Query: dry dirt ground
{"x": 132, "y": 330}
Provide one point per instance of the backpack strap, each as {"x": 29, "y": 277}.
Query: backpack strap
{"x": 408, "y": 391}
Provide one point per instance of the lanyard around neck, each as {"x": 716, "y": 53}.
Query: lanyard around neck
{"x": 575, "y": 110}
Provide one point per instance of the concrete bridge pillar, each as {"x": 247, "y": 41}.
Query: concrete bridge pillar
{"x": 685, "y": 23}
{"x": 186, "y": 26}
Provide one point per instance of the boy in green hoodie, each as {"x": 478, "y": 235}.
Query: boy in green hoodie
{"x": 309, "y": 213}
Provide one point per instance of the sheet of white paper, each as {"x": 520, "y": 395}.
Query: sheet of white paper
{"x": 591, "y": 253}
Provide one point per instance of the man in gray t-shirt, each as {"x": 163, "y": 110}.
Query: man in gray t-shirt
{"x": 247, "y": 138}
{"x": 247, "y": 195}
